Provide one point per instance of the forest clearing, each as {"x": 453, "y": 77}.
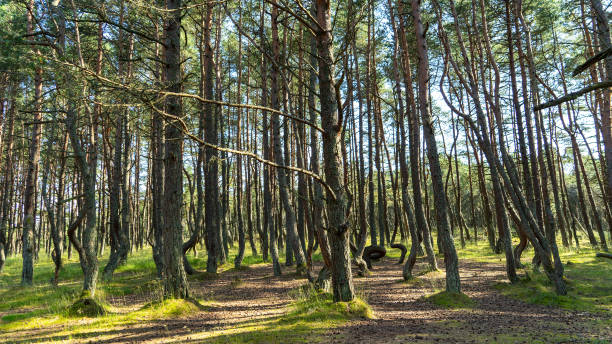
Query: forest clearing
{"x": 279, "y": 171}
{"x": 251, "y": 305}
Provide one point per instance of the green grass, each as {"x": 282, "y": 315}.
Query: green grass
{"x": 27, "y": 305}
{"x": 42, "y": 307}
{"x": 66, "y": 327}
{"x": 589, "y": 279}
{"x": 171, "y": 308}
{"x": 589, "y": 283}
{"x": 311, "y": 315}
{"x": 451, "y": 300}
{"x": 320, "y": 303}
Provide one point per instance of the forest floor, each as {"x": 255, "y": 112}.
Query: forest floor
{"x": 251, "y": 305}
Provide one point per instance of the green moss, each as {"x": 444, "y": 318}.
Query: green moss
{"x": 356, "y": 308}
{"x": 539, "y": 291}
{"x": 413, "y": 281}
{"x": 171, "y": 308}
{"x": 310, "y": 301}
{"x": 86, "y": 306}
{"x": 451, "y": 300}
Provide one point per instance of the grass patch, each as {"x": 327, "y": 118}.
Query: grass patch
{"x": 451, "y": 300}
{"x": 589, "y": 284}
{"x": 413, "y": 281}
{"x": 172, "y": 308}
{"x": 42, "y": 304}
{"x": 88, "y": 307}
{"x": 309, "y": 301}
{"x": 67, "y": 327}
{"x": 589, "y": 279}
{"x": 47, "y": 309}
{"x": 309, "y": 318}
{"x": 537, "y": 292}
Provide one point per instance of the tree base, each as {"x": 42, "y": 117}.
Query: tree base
{"x": 87, "y": 307}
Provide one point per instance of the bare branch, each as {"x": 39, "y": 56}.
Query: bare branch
{"x": 573, "y": 95}
{"x": 592, "y": 60}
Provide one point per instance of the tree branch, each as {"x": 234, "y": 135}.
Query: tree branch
{"x": 592, "y": 60}
{"x": 573, "y": 95}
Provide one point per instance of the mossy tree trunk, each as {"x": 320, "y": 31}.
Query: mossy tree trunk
{"x": 338, "y": 226}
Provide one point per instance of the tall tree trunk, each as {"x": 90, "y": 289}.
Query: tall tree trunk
{"x": 451, "y": 261}
{"x": 211, "y": 164}
{"x": 603, "y": 33}
{"x": 414, "y": 134}
{"x": 7, "y": 171}
{"x": 175, "y": 279}
{"x": 238, "y": 191}
{"x": 338, "y": 226}
{"x": 283, "y": 182}
{"x": 29, "y": 202}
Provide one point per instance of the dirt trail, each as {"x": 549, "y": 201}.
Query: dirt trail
{"x": 235, "y": 299}
{"x": 240, "y": 298}
{"x": 405, "y": 316}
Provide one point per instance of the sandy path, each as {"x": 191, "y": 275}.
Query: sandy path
{"x": 238, "y": 299}
{"x": 404, "y": 316}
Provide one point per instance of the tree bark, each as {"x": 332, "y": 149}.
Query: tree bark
{"x": 174, "y": 277}
{"x": 451, "y": 261}
{"x": 338, "y": 226}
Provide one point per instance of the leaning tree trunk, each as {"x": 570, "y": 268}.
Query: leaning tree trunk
{"x": 85, "y": 247}
{"x": 451, "y": 261}
{"x": 116, "y": 232}
{"x": 414, "y": 135}
{"x": 404, "y": 177}
{"x": 119, "y": 231}
{"x": 86, "y": 163}
{"x": 363, "y": 224}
